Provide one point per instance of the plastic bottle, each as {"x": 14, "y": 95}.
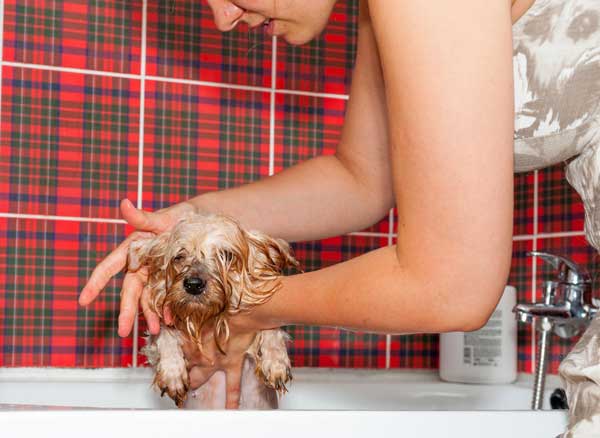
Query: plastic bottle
{"x": 487, "y": 355}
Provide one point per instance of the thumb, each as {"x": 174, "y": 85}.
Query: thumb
{"x": 139, "y": 219}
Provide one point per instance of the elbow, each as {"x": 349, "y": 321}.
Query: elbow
{"x": 467, "y": 298}
{"x": 472, "y": 309}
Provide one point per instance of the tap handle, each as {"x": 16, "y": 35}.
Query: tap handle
{"x": 567, "y": 270}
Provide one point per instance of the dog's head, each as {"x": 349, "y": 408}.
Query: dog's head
{"x": 207, "y": 268}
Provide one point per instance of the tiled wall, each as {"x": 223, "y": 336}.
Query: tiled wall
{"x": 145, "y": 99}
{"x": 548, "y": 217}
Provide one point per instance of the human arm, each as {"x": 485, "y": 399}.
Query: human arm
{"x": 448, "y": 74}
{"x": 322, "y": 197}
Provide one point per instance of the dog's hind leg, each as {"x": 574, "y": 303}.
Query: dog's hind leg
{"x": 269, "y": 352}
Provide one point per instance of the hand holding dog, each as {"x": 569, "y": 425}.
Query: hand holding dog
{"x": 132, "y": 291}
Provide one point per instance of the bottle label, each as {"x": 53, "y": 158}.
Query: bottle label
{"x": 484, "y": 347}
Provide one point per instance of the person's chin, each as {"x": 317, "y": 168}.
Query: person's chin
{"x": 298, "y": 39}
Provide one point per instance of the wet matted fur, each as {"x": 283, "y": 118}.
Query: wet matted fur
{"x": 237, "y": 269}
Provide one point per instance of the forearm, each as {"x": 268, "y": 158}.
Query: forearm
{"x": 380, "y": 292}
{"x": 304, "y": 202}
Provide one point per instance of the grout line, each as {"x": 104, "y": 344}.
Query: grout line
{"x": 388, "y": 337}
{"x": 272, "y": 106}
{"x": 208, "y": 84}
{"x": 560, "y": 234}
{"x": 172, "y": 80}
{"x": 540, "y": 236}
{"x": 61, "y": 218}
{"x": 534, "y": 263}
{"x": 367, "y": 234}
{"x": 520, "y": 237}
{"x": 135, "y": 332}
{"x": 314, "y": 94}
{"x": 69, "y": 70}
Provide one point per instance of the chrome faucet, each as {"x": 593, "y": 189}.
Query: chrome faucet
{"x": 567, "y": 308}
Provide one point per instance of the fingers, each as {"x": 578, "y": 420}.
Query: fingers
{"x": 133, "y": 284}
{"x": 225, "y": 13}
{"x": 106, "y": 269}
{"x": 139, "y": 219}
{"x": 152, "y": 318}
{"x": 233, "y": 379}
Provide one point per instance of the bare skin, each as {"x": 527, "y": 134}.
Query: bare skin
{"x": 436, "y": 141}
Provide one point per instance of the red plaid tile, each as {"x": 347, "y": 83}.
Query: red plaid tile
{"x": 306, "y": 127}
{"x": 324, "y": 65}
{"x": 560, "y": 207}
{"x": 43, "y": 266}
{"x": 69, "y": 143}
{"x": 199, "y": 139}
{"x": 97, "y": 35}
{"x": 414, "y": 351}
{"x": 577, "y": 249}
{"x": 183, "y": 42}
{"x": 523, "y": 204}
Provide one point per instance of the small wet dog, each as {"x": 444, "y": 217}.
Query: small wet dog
{"x": 206, "y": 269}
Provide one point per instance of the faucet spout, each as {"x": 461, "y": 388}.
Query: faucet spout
{"x": 542, "y": 310}
{"x": 567, "y": 307}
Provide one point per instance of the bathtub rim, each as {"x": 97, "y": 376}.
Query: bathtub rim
{"x": 144, "y": 374}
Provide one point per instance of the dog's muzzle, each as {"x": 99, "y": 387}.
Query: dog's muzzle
{"x": 194, "y": 285}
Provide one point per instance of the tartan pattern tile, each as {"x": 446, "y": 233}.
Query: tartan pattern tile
{"x": 200, "y": 139}
{"x": 560, "y": 208}
{"x": 96, "y": 34}
{"x": 69, "y": 143}
{"x": 329, "y": 347}
{"x": 325, "y": 64}
{"x": 43, "y": 265}
{"x": 183, "y": 42}
{"x": 520, "y": 277}
{"x": 306, "y": 127}
{"x": 523, "y": 203}
{"x": 577, "y": 249}
{"x": 415, "y": 351}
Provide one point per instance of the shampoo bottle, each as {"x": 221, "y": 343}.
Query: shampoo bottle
{"x": 487, "y": 355}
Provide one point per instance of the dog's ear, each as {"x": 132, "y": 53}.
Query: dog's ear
{"x": 258, "y": 262}
{"x": 147, "y": 251}
{"x": 268, "y": 256}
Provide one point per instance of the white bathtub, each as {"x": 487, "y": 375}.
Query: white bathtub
{"x": 321, "y": 402}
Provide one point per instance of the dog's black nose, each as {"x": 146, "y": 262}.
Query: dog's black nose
{"x": 194, "y": 285}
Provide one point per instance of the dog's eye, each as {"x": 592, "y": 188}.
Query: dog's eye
{"x": 179, "y": 258}
{"x": 227, "y": 255}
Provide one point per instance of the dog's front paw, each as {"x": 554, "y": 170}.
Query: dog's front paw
{"x": 172, "y": 378}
